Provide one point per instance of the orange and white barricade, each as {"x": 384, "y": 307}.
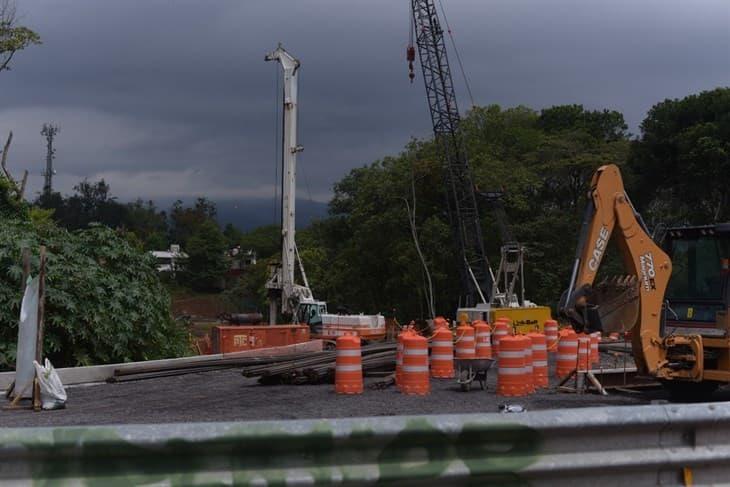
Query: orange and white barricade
{"x": 567, "y": 353}
{"x": 511, "y": 374}
{"x": 348, "y": 365}
{"x": 539, "y": 359}
{"x": 442, "y": 354}
{"x": 414, "y": 371}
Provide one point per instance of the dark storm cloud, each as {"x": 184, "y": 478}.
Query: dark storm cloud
{"x": 173, "y": 98}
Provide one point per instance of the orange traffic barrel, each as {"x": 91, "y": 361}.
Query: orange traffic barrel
{"x": 440, "y": 322}
{"x": 567, "y": 353}
{"x": 584, "y": 352}
{"x": 414, "y": 372}
{"x": 551, "y": 335}
{"x": 348, "y": 365}
{"x": 511, "y": 374}
{"x": 501, "y": 330}
{"x": 528, "y": 381}
{"x": 483, "y": 333}
{"x": 539, "y": 359}
{"x": 399, "y": 356}
{"x": 442, "y": 354}
{"x": 595, "y": 355}
{"x": 465, "y": 341}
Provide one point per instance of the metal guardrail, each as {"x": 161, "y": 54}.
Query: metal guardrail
{"x": 642, "y": 445}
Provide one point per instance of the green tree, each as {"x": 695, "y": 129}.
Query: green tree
{"x": 265, "y": 240}
{"x": 206, "y": 265}
{"x": 13, "y": 37}
{"x": 148, "y": 224}
{"x": 363, "y": 254}
{"x": 185, "y": 221}
{"x": 233, "y": 235}
{"x": 682, "y": 160}
{"x": 104, "y": 299}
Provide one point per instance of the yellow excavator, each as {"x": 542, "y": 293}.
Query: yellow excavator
{"x": 690, "y": 361}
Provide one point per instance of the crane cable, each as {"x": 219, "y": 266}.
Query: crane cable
{"x": 458, "y": 56}
{"x": 410, "y": 50}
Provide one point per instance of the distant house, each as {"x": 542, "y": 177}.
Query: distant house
{"x": 170, "y": 260}
{"x": 240, "y": 260}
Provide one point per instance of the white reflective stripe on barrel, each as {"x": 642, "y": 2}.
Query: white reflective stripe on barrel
{"x": 348, "y": 368}
{"x": 512, "y": 371}
{"x": 415, "y": 351}
{"x": 562, "y": 356}
{"x": 539, "y": 363}
{"x": 539, "y": 346}
{"x": 572, "y": 343}
{"x": 465, "y": 350}
{"x": 483, "y": 335}
{"x": 511, "y": 354}
{"x": 483, "y": 345}
{"x": 348, "y": 353}
{"x": 466, "y": 339}
{"x": 442, "y": 344}
{"x": 442, "y": 357}
{"x": 415, "y": 368}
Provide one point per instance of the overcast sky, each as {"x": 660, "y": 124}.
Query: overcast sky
{"x": 168, "y": 99}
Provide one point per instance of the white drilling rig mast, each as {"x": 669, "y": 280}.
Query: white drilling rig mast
{"x": 281, "y": 285}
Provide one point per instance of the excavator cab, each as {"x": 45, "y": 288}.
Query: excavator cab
{"x": 698, "y": 295}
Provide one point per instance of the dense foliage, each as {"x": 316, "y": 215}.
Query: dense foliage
{"x": 104, "y": 300}
{"x": 194, "y": 228}
{"x": 363, "y": 255}
{"x": 206, "y": 264}
{"x": 682, "y": 161}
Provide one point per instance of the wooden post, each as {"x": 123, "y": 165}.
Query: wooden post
{"x": 41, "y": 310}
{"x": 26, "y": 268}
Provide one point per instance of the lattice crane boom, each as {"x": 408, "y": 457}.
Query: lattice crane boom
{"x": 474, "y": 271}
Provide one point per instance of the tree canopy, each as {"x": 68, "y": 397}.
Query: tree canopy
{"x": 363, "y": 255}
{"x": 13, "y": 37}
{"x": 104, "y": 300}
{"x": 682, "y": 160}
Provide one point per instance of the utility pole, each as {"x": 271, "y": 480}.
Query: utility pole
{"x": 49, "y": 131}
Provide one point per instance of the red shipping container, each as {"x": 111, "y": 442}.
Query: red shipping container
{"x": 227, "y": 339}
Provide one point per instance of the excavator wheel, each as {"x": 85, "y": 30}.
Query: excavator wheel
{"x": 681, "y": 391}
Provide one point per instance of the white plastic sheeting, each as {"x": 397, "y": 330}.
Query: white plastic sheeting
{"x": 27, "y": 337}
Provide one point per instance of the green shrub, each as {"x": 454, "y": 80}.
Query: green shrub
{"x": 104, "y": 300}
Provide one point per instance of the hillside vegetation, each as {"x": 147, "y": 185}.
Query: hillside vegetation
{"x": 363, "y": 256}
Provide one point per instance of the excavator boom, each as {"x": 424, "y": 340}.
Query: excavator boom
{"x": 611, "y": 214}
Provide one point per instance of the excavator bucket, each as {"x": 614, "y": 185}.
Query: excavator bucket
{"x": 617, "y": 303}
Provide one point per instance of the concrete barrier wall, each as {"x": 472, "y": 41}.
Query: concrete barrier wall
{"x": 100, "y": 373}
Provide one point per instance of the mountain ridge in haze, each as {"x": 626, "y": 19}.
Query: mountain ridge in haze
{"x": 249, "y": 214}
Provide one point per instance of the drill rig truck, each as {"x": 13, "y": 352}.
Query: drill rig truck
{"x": 691, "y": 357}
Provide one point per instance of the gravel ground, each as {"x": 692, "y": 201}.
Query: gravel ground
{"x": 227, "y": 396}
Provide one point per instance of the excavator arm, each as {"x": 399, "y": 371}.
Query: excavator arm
{"x": 611, "y": 214}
